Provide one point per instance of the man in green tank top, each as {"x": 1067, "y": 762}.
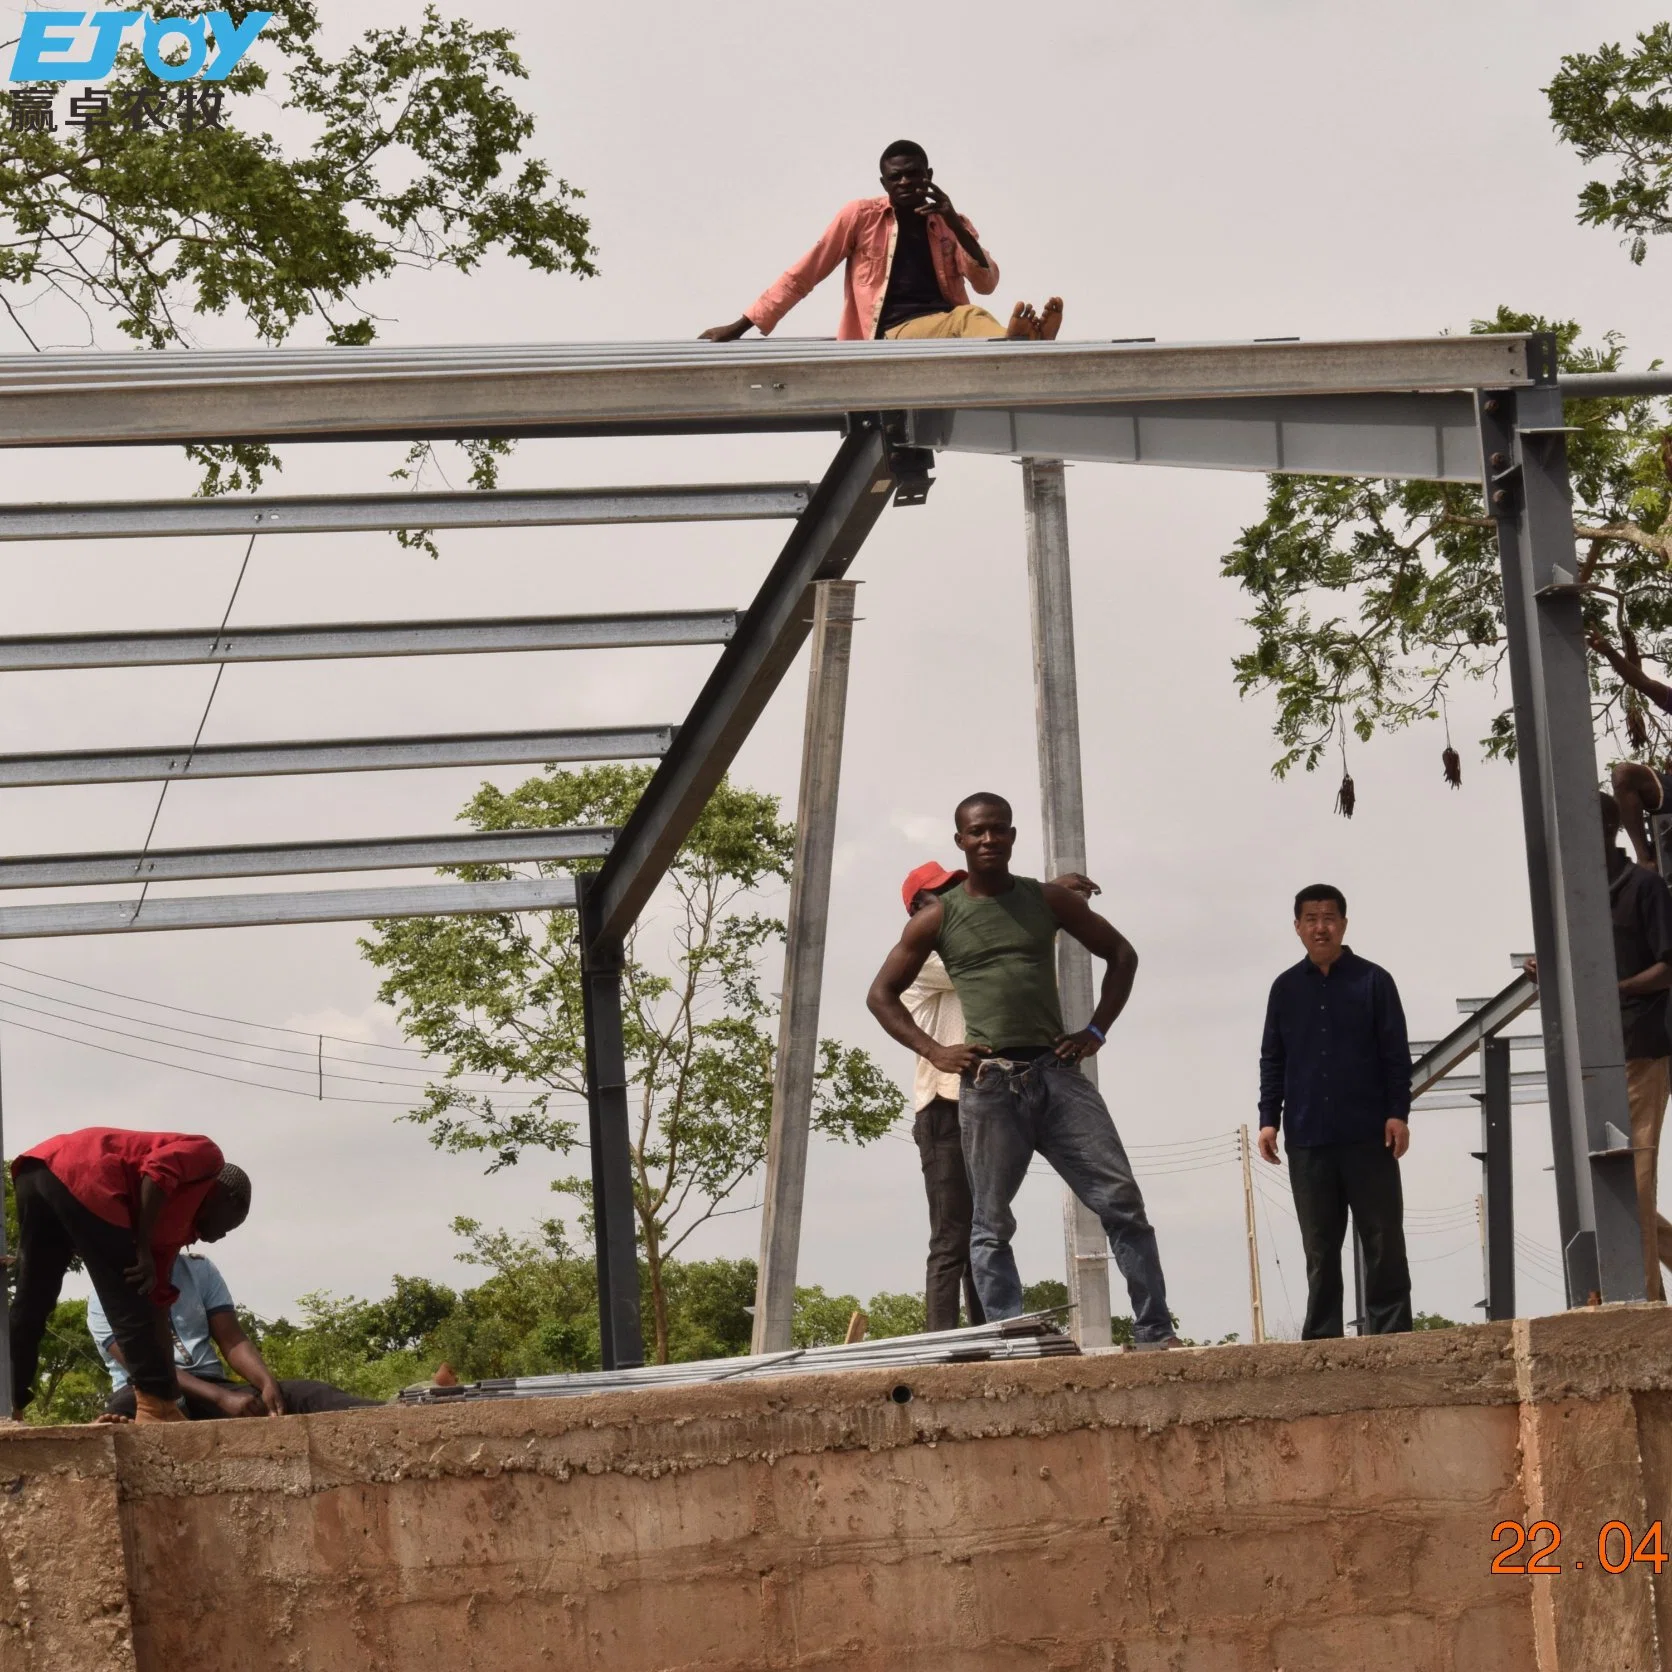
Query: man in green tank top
{"x": 1021, "y": 1091}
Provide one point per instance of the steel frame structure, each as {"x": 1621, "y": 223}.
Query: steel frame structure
{"x": 1429, "y": 408}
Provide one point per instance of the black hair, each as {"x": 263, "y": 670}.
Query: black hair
{"x": 1610, "y": 817}
{"x": 905, "y": 148}
{"x": 982, "y": 798}
{"x": 235, "y": 1183}
{"x": 1320, "y": 891}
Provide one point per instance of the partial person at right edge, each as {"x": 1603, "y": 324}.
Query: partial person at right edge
{"x": 1335, "y": 1074}
{"x": 1640, "y": 908}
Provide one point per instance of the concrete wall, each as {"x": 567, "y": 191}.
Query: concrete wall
{"x": 1270, "y": 1509}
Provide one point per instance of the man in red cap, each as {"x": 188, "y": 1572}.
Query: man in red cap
{"x": 125, "y": 1203}
{"x": 934, "y": 1007}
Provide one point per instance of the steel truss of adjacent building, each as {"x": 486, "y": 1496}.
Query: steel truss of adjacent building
{"x": 1447, "y": 409}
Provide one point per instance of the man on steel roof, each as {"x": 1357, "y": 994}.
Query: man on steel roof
{"x": 909, "y": 257}
{"x": 126, "y": 1203}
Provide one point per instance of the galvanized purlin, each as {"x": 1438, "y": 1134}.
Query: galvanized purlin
{"x": 145, "y": 398}
{"x": 535, "y": 508}
{"x": 501, "y": 847}
{"x": 242, "y": 911}
{"x": 366, "y": 754}
{"x": 366, "y": 639}
{"x": 1035, "y": 1336}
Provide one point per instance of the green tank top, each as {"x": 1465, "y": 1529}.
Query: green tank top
{"x": 1001, "y": 955}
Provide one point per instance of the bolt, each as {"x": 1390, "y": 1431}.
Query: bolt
{"x": 1499, "y": 460}
{"x": 1491, "y": 405}
{"x": 1501, "y": 497}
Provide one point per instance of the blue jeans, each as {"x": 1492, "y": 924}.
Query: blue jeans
{"x": 1008, "y": 1112}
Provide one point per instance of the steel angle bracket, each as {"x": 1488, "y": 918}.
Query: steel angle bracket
{"x": 912, "y": 467}
{"x": 1617, "y": 1146}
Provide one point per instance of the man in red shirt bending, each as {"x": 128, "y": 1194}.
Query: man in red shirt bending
{"x": 126, "y": 1203}
{"x": 912, "y": 260}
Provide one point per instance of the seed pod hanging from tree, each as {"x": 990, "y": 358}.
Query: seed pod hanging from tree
{"x": 1452, "y": 766}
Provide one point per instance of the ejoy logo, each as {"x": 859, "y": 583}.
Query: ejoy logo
{"x": 75, "y": 46}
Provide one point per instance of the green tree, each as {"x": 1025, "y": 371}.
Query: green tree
{"x": 501, "y": 996}
{"x": 1613, "y": 107}
{"x": 404, "y": 149}
{"x": 73, "y": 1384}
{"x": 1373, "y": 599}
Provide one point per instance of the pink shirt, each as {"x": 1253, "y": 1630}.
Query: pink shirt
{"x": 863, "y": 235}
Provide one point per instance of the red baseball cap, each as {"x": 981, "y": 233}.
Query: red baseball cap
{"x": 929, "y": 876}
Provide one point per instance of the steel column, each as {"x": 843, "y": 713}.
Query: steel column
{"x": 1062, "y": 805}
{"x": 1361, "y": 1312}
{"x": 1529, "y": 496}
{"x": 7, "y": 1412}
{"x": 1497, "y": 1178}
{"x": 846, "y": 505}
{"x": 798, "y": 1029}
{"x": 1497, "y": 441}
{"x": 620, "y": 1332}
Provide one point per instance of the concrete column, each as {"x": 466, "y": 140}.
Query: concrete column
{"x": 1056, "y": 693}
{"x": 798, "y": 1031}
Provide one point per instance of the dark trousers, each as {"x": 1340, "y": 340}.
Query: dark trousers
{"x": 1328, "y": 1181}
{"x": 52, "y": 1229}
{"x": 947, "y": 1184}
{"x": 301, "y": 1398}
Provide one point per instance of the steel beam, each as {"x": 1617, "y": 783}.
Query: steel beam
{"x": 846, "y": 505}
{"x": 1524, "y": 446}
{"x": 243, "y": 911}
{"x": 356, "y": 754}
{"x": 1465, "y": 1039}
{"x": 381, "y": 638}
{"x": 380, "y": 512}
{"x": 614, "y": 1215}
{"x": 1062, "y": 803}
{"x": 1496, "y": 1159}
{"x": 149, "y": 398}
{"x": 492, "y": 847}
{"x": 1431, "y": 437}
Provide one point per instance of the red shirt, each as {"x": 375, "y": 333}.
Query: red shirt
{"x": 863, "y": 236}
{"x": 101, "y": 1166}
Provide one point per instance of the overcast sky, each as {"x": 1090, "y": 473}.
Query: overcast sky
{"x": 1195, "y": 172}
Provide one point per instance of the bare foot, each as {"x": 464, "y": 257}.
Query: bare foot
{"x": 110, "y": 1419}
{"x": 148, "y": 1407}
{"x": 1024, "y": 323}
{"x": 1050, "y": 319}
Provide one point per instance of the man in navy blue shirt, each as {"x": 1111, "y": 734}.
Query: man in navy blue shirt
{"x": 1335, "y": 1069}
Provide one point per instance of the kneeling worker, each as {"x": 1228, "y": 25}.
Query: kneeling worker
{"x": 203, "y": 1320}
{"x": 125, "y": 1203}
